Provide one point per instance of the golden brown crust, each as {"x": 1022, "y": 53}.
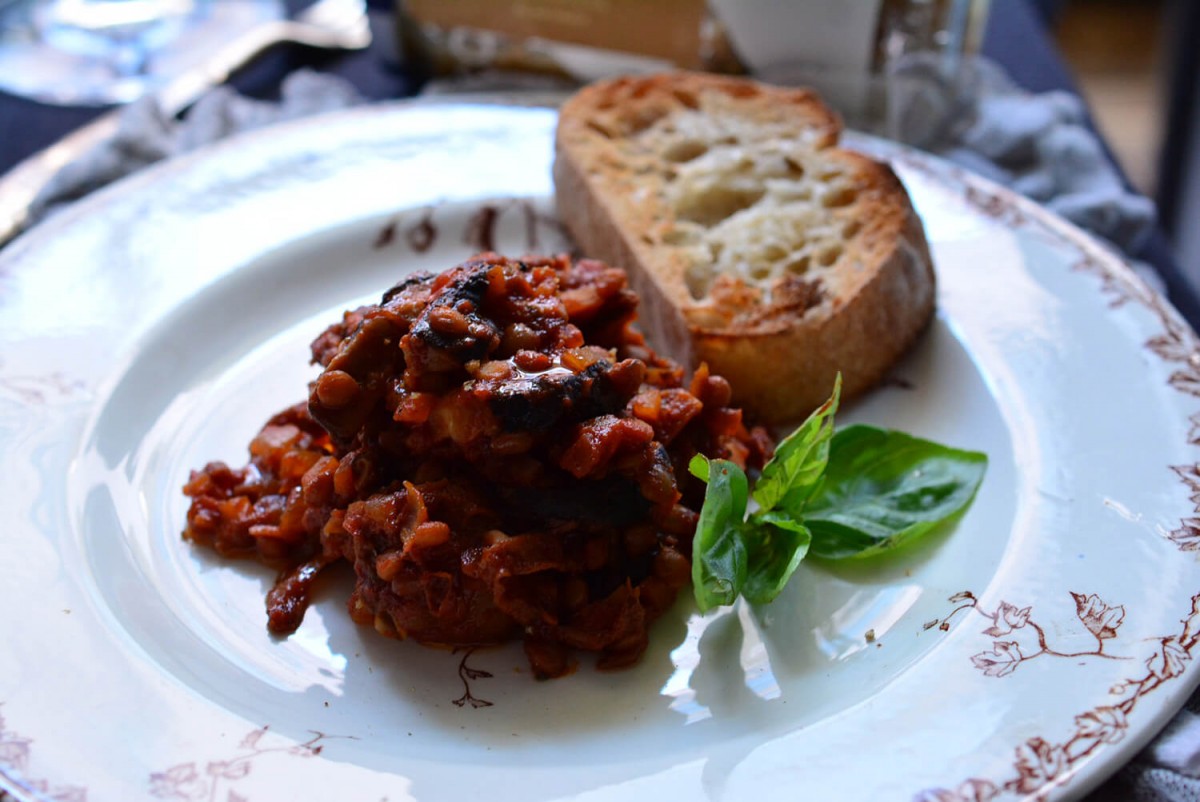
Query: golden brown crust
{"x": 859, "y": 286}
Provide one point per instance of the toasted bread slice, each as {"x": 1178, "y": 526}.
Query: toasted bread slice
{"x": 755, "y": 243}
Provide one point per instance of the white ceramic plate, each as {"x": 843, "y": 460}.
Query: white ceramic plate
{"x": 1028, "y": 653}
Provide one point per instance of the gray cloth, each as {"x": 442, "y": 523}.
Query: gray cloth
{"x": 1039, "y": 145}
{"x": 1168, "y": 770}
{"x": 145, "y": 135}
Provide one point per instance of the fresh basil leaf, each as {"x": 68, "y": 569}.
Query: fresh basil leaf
{"x": 780, "y": 519}
{"x": 834, "y": 541}
{"x": 790, "y": 478}
{"x": 884, "y": 488}
{"x": 775, "y": 545}
{"x": 719, "y": 559}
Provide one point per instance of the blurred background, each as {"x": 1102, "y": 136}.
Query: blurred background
{"x": 1117, "y": 49}
{"x": 1134, "y": 61}
{"x": 1136, "y": 64}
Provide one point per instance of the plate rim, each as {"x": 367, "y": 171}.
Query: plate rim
{"x": 1119, "y": 282}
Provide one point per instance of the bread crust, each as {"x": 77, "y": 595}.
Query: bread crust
{"x": 780, "y": 341}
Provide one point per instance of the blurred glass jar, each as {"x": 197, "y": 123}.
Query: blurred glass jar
{"x": 101, "y": 52}
{"x": 926, "y": 67}
{"x": 869, "y": 58}
{"x": 950, "y": 27}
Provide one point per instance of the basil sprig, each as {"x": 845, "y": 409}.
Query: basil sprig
{"x": 853, "y": 494}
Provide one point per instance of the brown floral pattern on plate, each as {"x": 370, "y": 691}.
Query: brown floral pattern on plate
{"x": 1041, "y": 765}
{"x": 15, "y": 752}
{"x": 195, "y": 781}
{"x": 1098, "y": 618}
